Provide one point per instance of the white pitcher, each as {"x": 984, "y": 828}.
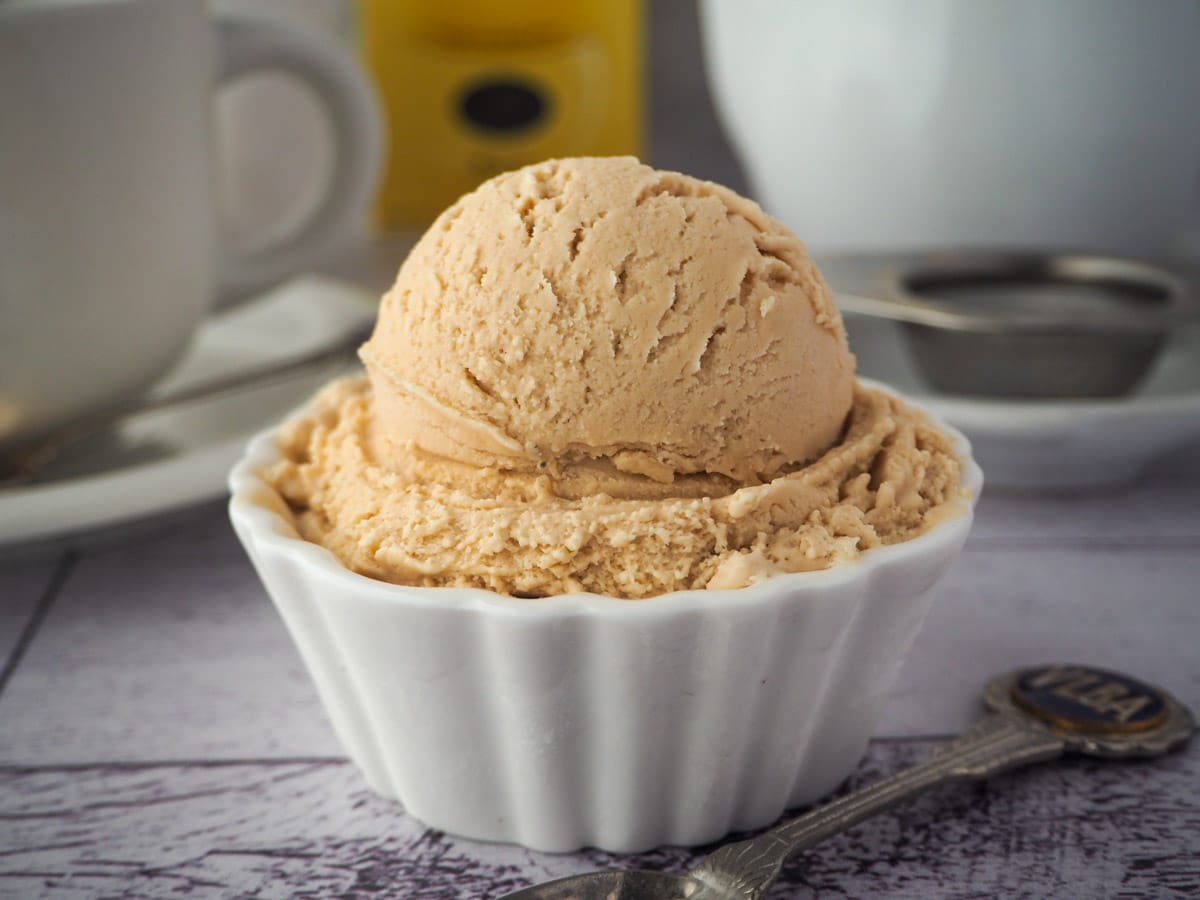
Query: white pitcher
{"x": 904, "y": 124}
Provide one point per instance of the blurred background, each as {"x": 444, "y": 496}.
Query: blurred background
{"x": 1004, "y": 194}
{"x": 626, "y": 76}
{"x": 1016, "y": 181}
{"x": 1020, "y": 123}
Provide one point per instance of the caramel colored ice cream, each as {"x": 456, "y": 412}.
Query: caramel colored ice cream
{"x": 595, "y": 376}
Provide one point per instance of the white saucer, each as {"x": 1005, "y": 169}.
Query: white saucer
{"x": 1068, "y": 445}
{"x": 162, "y": 462}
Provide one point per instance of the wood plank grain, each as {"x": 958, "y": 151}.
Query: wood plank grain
{"x": 23, "y": 585}
{"x": 1133, "y": 610}
{"x": 166, "y": 647}
{"x": 308, "y": 829}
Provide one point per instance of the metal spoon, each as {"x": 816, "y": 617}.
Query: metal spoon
{"x": 21, "y": 462}
{"x": 1037, "y": 714}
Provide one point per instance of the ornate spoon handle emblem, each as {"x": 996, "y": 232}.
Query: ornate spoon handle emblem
{"x": 1037, "y": 714}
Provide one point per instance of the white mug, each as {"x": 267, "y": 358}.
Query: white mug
{"x": 109, "y": 249}
{"x": 909, "y": 124}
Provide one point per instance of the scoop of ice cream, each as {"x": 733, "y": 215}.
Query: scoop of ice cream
{"x": 616, "y": 327}
{"x": 592, "y": 376}
{"x": 893, "y": 475}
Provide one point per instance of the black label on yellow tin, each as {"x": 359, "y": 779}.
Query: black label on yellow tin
{"x": 1082, "y": 699}
{"x": 504, "y": 105}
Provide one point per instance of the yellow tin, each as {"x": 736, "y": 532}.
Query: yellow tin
{"x": 473, "y": 88}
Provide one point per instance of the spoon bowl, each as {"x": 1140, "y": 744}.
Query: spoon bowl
{"x": 633, "y": 884}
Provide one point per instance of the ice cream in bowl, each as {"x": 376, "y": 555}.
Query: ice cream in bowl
{"x": 607, "y": 546}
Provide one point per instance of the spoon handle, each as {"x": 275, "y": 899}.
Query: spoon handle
{"x": 20, "y": 464}
{"x": 994, "y": 744}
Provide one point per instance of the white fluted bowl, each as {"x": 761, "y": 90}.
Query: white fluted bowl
{"x": 582, "y": 720}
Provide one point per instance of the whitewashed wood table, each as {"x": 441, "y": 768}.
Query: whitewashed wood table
{"x": 159, "y": 737}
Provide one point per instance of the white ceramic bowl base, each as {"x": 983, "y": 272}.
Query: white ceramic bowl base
{"x": 582, "y": 720}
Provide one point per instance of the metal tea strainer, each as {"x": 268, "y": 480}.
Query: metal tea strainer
{"x": 1020, "y": 324}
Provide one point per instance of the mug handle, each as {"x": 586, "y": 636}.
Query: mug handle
{"x": 249, "y": 43}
